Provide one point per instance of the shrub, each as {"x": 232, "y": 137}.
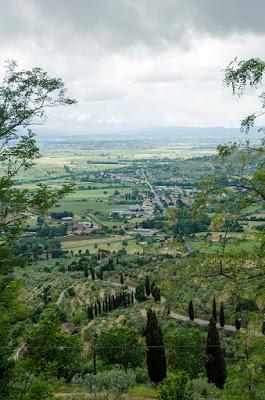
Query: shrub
{"x": 177, "y": 387}
{"x": 120, "y": 346}
{"x": 141, "y": 375}
{"x": 186, "y": 350}
{"x": 114, "y": 381}
{"x": 40, "y": 390}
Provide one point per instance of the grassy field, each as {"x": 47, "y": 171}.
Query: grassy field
{"x": 237, "y": 247}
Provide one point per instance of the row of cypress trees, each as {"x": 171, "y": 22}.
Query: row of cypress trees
{"x": 214, "y": 314}
{"x": 110, "y": 303}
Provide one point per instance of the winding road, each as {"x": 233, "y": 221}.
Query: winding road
{"x": 179, "y": 317}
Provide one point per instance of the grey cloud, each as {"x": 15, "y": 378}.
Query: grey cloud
{"x": 106, "y": 50}
{"x": 120, "y": 24}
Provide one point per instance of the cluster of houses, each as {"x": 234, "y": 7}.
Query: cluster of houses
{"x": 144, "y": 210}
{"x": 169, "y": 195}
{"x": 83, "y": 228}
{"x": 121, "y": 177}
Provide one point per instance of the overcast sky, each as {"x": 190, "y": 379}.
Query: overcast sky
{"x": 137, "y": 63}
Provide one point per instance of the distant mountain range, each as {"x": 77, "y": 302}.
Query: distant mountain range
{"x": 168, "y": 134}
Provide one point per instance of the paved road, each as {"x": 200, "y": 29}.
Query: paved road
{"x": 181, "y": 317}
{"x": 199, "y": 321}
{"x": 157, "y": 198}
{"x": 177, "y": 316}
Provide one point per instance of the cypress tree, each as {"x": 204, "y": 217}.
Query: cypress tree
{"x": 92, "y": 272}
{"x": 110, "y": 303}
{"x": 113, "y": 302}
{"x": 132, "y": 298}
{"x": 191, "y": 311}
{"x": 222, "y": 315}
{"x": 99, "y": 307}
{"x": 156, "y": 293}
{"x": 147, "y": 286}
{"x": 121, "y": 279}
{"x": 263, "y": 328}
{"x": 156, "y": 358}
{"x": 124, "y": 299}
{"x": 140, "y": 292}
{"x": 119, "y": 300}
{"x": 215, "y": 363}
{"x": 128, "y": 299}
{"x": 96, "y": 310}
{"x": 110, "y": 265}
{"x": 238, "y": 323}
{"x": 214, "y": 311}
{"x": 106, "y": 304}
{"x": 238, "y": 317}
{"x": 152, "y": 286}
{"x": 90, "y": 314}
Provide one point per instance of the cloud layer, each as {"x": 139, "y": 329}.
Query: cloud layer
{"x": 137, "y": 62}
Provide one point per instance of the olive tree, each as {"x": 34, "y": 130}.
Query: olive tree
{"x": 25, "y": 95}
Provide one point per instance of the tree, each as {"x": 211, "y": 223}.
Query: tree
{"x": 120, "y": 346}
{"x": 177, "y": 387}
{"x": 40, "y": 390}
{"x": 121, "y": 279}
{"x": 90, "y": 314}
{"x": 101, "y": 273}
{"x": 241, "y": 180}
{"x": 222, "y": 315}
{"x": 11, "y": 309}
{"x": 214, "y": 311}
{"x": 50, "y": 350}
{"x": 147, "y": 286}
{"x": 92, "y": 272}
{"x": 24, "y": 97}
{"x": 99, "y": 307}
{"x": 238, "y": 317}
{"x": 215, "y": 363}
{"x": 238, "y": 323}
{"x": 185, "y": 350}
{"x": 191, "y": 311}
{"x": 132, "y": 297}
{"x": 246, "y": 379}
{"x": 156, "y": 293}
{"x": 140, "y": 292}
{"x": 156, "y": 358}
{"x": 96, "y": 310}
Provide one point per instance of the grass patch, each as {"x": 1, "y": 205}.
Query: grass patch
{"x": 143, "y": 391}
